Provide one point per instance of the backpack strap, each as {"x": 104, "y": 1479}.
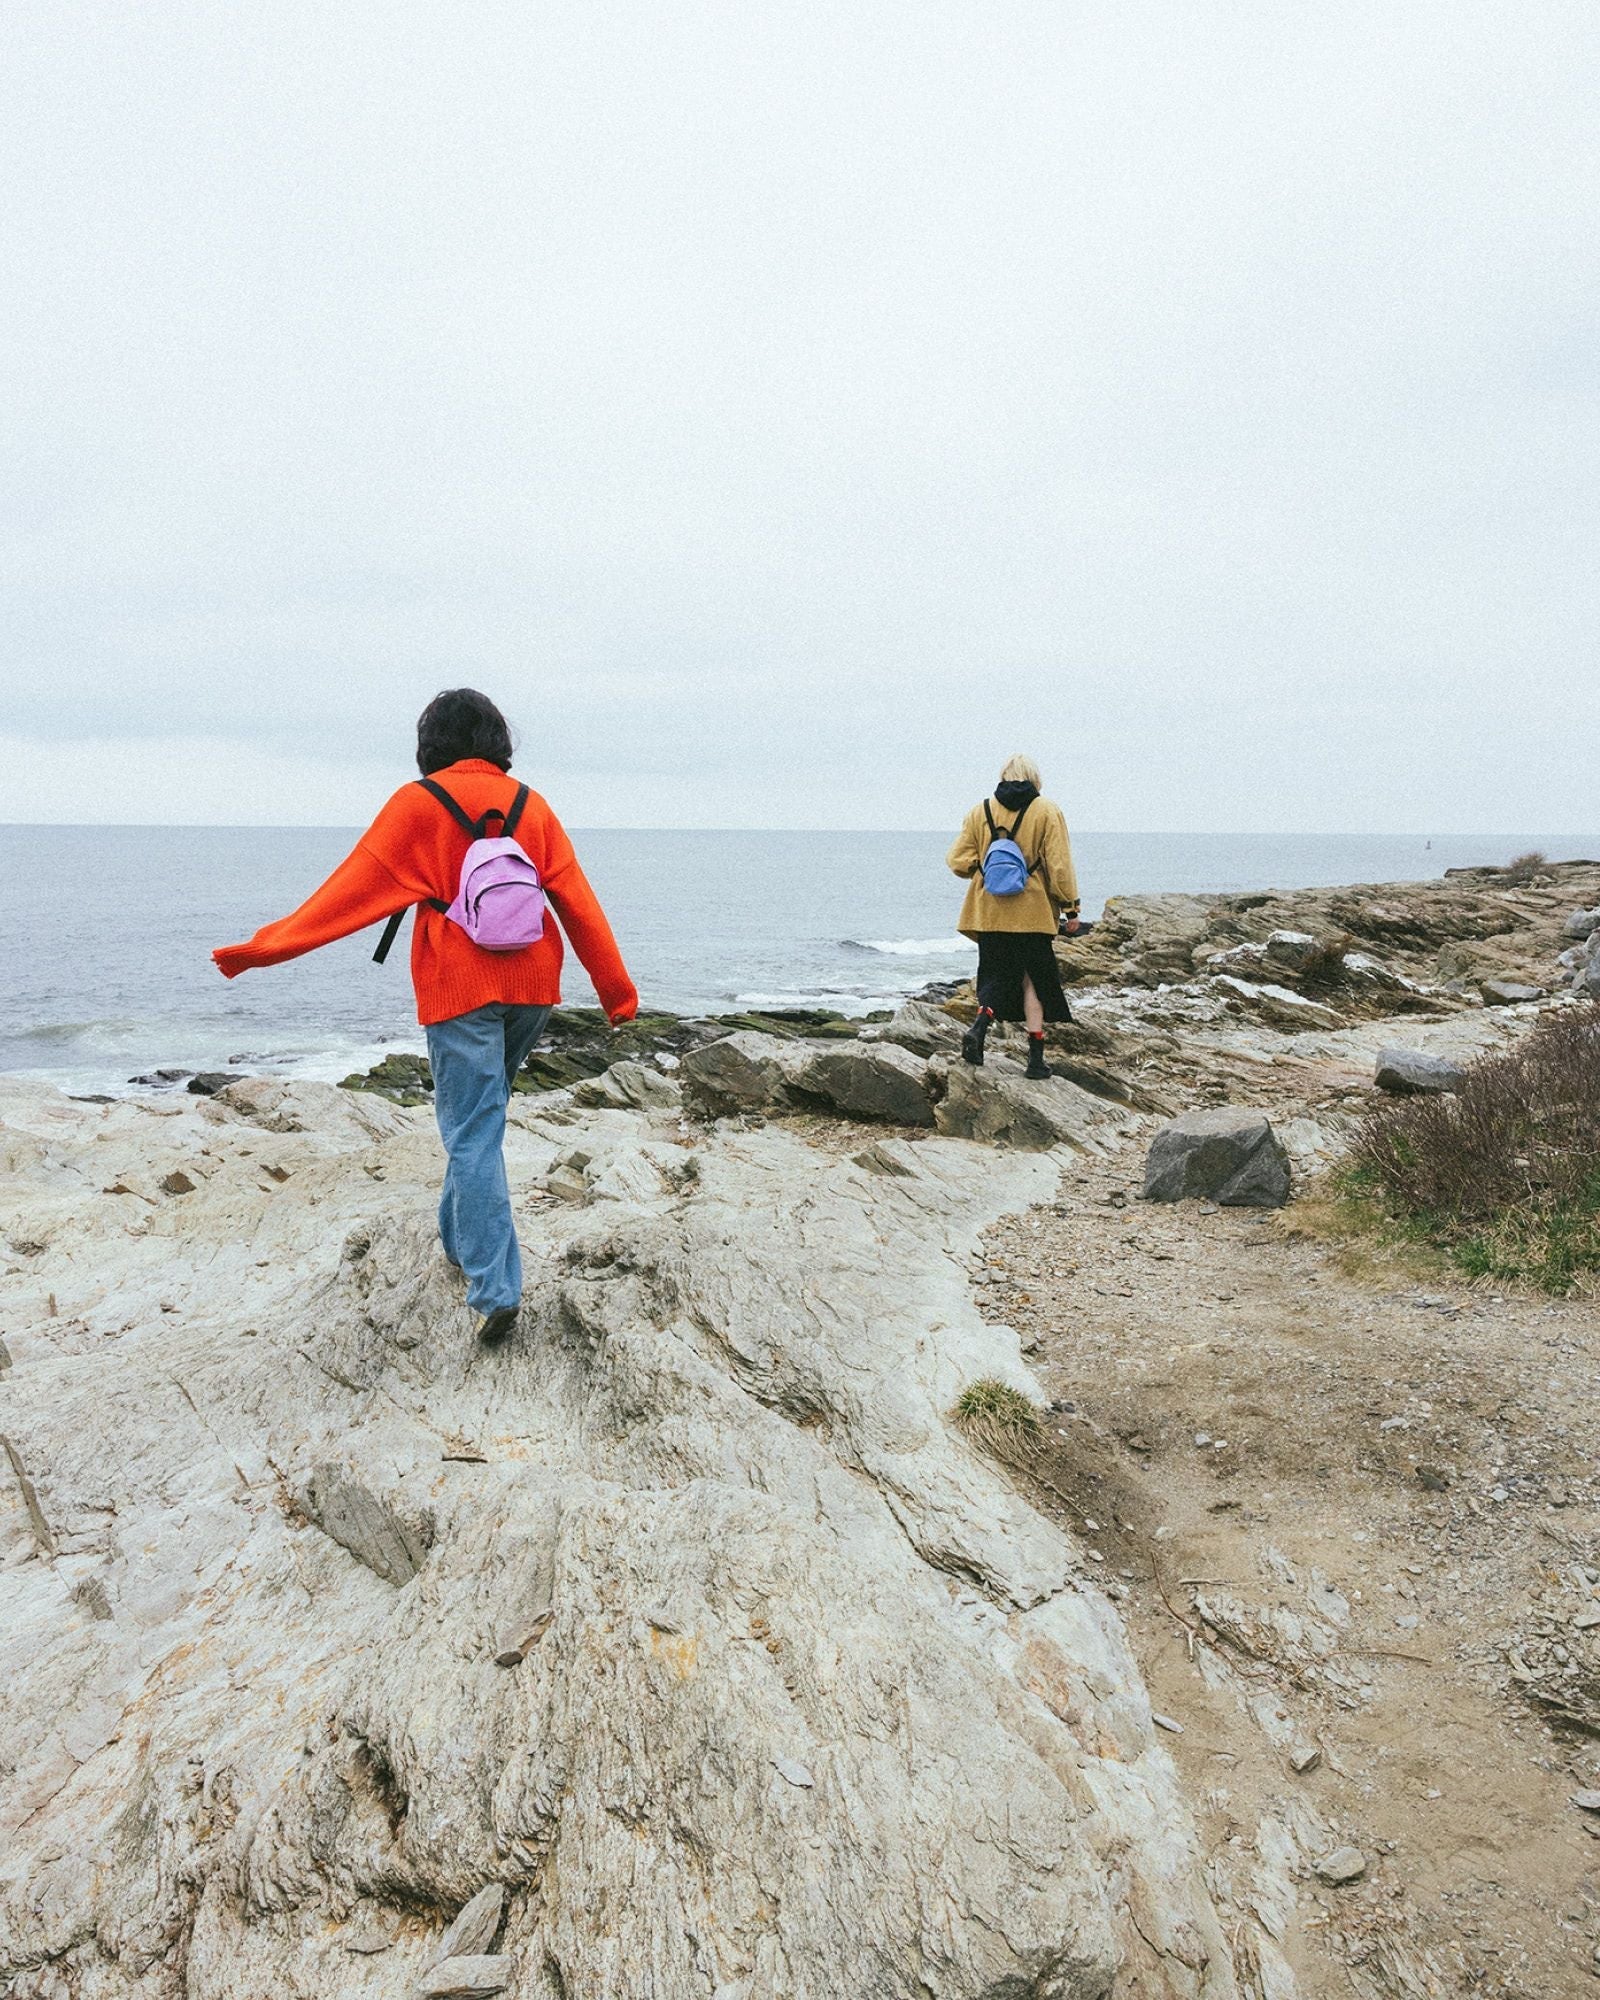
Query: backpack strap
{"x": 391, "y": 931}
{"x": 472, "y": 828}
{"x": 1016, "y": 824}
{"x": 509, "y": 830}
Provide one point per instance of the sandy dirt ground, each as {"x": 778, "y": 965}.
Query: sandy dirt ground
{"x": 1351, "y": 1509}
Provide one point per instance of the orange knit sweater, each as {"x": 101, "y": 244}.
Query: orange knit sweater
{"x": 413, "y": 850}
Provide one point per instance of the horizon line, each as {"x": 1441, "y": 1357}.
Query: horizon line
{"x": 1141, "y": 832}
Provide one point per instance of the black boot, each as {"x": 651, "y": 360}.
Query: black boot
{"x": 972, "y": 1040}
{"x": 1037, "y": 1066}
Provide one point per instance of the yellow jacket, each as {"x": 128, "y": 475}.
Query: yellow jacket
{"x": 1052, "y": 889}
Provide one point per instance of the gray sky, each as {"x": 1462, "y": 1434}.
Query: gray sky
{"x": 787, "y": 410}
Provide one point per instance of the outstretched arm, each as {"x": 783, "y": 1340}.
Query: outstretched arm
{"x": 360, "y": 891}
{"x": 585, "y": 923}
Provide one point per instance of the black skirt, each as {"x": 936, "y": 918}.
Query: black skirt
{"x": 1004, "y": 958}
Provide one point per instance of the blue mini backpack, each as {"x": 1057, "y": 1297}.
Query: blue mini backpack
{"x": 1005, "y": 866}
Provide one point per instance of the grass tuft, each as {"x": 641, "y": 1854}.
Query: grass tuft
{"x": 999, "y": 1417}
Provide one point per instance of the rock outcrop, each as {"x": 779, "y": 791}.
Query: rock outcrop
{"x": 686, "y": 1621}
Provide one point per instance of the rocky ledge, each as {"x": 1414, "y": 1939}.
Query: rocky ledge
{"x": 686, "y": 1645}
{"x": 688, "y": 1625}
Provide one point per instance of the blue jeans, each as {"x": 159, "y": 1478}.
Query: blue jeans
{"x": 475, "y": 1058}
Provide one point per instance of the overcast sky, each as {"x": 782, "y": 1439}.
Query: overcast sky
{"x": 787, "y": 409}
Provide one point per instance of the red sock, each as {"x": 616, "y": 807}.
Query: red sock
{"x": 1036, "y": 1034}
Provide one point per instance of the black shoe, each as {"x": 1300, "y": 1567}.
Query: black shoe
{"x": 972, "y": 1043}
{"x": 1037, "y": 1066}
{"x": 496, "y": 1325}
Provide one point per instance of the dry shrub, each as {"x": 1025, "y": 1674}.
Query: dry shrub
{"x": 1525, "y": 867}
{"x": 1506, "y": 1173}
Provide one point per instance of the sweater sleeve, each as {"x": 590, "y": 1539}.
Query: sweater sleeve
{"x": 585, "y": 924}
{"x": 1061, "y": 878}
{"x": 360, "y": 891}
{"x": 964, "y": 856}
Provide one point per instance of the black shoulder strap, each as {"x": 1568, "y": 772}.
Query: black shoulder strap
{"x": 1021, "y": 816}
{"x": 994, "y": 831}
{"x": 391, "y": 931}
{"x": 472, "y": 828}
{"x": 509, "y": 830}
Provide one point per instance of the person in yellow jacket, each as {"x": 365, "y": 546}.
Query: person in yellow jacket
{"x": 1018, "y": 979}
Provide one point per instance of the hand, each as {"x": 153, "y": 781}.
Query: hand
{"x": 626, "y": 1012}
{"x": 1071, "y": 928}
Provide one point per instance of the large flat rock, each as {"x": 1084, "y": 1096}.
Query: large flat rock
{"x": 806, "y": 1697}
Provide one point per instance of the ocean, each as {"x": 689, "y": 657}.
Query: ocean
{"x": 108, "y": 930}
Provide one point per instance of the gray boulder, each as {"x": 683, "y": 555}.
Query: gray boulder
{"x": 1587, "y": 980}
{"x": 1409, "y": 1072}
{"x": 1507, "y": 992}
{"x": 1581, "y": 924}
{"x": 1230, "y": 1157}
{"x": 746, "y": 1071}
{"x": 627, "y": 1086}
{"x": 924, "y": 1029}
{"x": 998, "y": 1106}
{"x": 877, "y": 1080}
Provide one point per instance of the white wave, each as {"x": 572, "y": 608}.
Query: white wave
{"x": 942, "y": 947}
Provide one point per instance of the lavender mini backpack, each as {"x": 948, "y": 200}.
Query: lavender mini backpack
{"x": 499, "y": 899}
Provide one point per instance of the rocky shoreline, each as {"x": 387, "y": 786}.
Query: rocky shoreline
{"x": 691, "y": 1645}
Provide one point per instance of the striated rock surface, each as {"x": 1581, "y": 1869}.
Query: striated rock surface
{"x": 804, "y": 1699}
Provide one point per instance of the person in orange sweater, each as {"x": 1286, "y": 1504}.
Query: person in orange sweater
{"x": 483, "y": 1010}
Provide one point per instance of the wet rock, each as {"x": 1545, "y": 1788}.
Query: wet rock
{"x": 880, "y": 1081}
{"x": 207, "y": 1082}
{"x": 403, "y": 1079}
{"x": 1408, "y": 1072}
{"x": 1342, "y": 1866}
{"x": 1231, "y": 1157}
{"x": 374, "y": 1533}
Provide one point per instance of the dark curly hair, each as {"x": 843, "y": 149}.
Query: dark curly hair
{"x": 461, "y": 723}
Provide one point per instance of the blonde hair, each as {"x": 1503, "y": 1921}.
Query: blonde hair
{"x": 1022, "y": 771}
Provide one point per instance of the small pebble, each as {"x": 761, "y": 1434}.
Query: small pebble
{"x": 1344, "y": 1864}
{"x": 1166, "y": 1722}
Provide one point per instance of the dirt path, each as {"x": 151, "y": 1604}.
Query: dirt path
{"x": 1344, "y": 1514}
